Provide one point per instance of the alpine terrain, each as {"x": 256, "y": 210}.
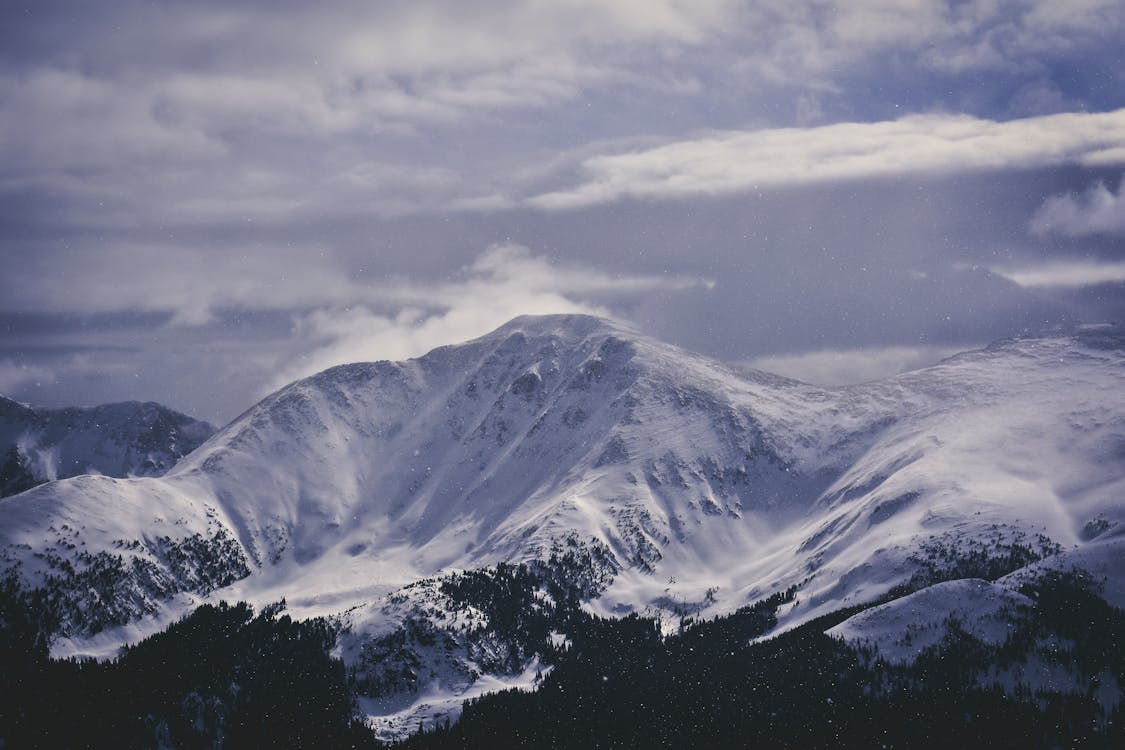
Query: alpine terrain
{"x": 118, "y": 440}
{"x": 566, "y": 495}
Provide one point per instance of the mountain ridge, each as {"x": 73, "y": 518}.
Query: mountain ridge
{"x": 129, "y": 438}
{"x": 701, "y": 489}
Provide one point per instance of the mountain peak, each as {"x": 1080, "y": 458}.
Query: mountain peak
{"x": 562, "y": 427}
{"x": 565, "y": 326}
{"x": 552, "y": 322}
{"x": 672, "y": 482}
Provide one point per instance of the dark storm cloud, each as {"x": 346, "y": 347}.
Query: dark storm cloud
{"x": 228, "y": 195}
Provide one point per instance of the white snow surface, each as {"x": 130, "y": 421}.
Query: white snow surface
{"x": 345, "y": 486}
{"x": 904, "y": 628}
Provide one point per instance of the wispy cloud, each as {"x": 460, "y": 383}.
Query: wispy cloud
{"x": 355, "y": 66}
{"x": 848, "y": 366}
{"x": 799, "y": 39}
{"x": 16, "y": 375}
{"x": 505, "y": 281}
{"x": 731, "y": 162}
{"x": 192, "y": 285}
{"x": 187, "y": 283}
{"x": 192, "y": 113}
{"x": 1074, "y": 273}
{"x": 1098, "y": 210}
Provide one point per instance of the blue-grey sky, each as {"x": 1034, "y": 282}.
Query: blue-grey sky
{"x": 201, "y": 201}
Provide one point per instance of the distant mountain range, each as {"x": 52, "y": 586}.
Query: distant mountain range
{"x": 623, "y": 473}
{"x": 119, "y": 440}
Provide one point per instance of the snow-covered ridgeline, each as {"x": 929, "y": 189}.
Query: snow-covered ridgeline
{"x": 119, "y": 440}
{"x": 708, "y": 487}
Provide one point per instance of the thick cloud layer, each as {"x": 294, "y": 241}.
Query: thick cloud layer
{"x": 200, "y": 200}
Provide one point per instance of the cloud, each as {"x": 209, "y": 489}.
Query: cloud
{"x": 805, "y": 43}
{"x": 355, "y": 65}
{"x": 16, "y": 375}
{"x": 205, "y": 149}
{"x": 362, "y": 67}
{"x": 121, "y": 114}
{"x": 58, "y": 121}
{"x": 505, "y": 281}
{"x": 731, "y": 162}
{"x": 830, "y": 367}
{"x": 1066, "y": 274}
{"x": 1098, "y": 210}
{"x": 188, "y": 283}
{"x": 191, "y": 285}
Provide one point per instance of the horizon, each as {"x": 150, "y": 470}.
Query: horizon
{"x": 739, "y": 367}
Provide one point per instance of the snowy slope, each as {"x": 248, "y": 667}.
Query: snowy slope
{"x": 489, "y": 451}
{"x": 1017, "y": 447}
{"x": 118, "y": 440}
{"x": 707, "y": 487}
{"x": 904, "y": 628}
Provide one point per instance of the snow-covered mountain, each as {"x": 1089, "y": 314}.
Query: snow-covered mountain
{"x": 118, "y": 440}
{"x": 682, "y": 486}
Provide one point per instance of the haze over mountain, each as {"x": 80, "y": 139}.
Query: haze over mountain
{"x": 676, "y": 484}
{"x": 118, "y": 440}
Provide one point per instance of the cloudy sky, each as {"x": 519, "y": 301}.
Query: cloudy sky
{"x": 201, "y": 201}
